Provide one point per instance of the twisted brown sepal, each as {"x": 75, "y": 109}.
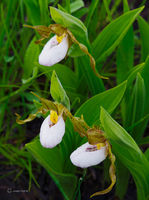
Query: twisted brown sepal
{"x": 95, "y": 136}
{"x": 30, "y": 117}
{"x": 111, "y": 172}
{"x": 46, "y": 106}
{"x": 85, "y": 50}
{"x": 79, "y": 124}
{"x": 45, "y": 31}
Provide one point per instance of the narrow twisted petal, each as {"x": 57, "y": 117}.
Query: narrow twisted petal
{"x": 83, "y": 158}
{"x": 51, "y": 136}
{"x": 53, "y": 52}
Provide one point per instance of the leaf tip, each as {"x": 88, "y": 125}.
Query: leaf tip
{"x": 141, "y": 8}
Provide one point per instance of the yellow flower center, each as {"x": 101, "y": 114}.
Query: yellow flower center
{"x": 99, "y": 145}
{"x": 60, "y": 38}
{"x": 53, "y": 117}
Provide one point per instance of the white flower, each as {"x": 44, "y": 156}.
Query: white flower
{"x": 54, "y": 50}
{"x": 52, "y": 134}
{"x": 88, "y": 155}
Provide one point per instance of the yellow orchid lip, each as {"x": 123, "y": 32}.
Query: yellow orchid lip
{"x": 53, "y": 116}
{"x": 60, "y": 38}
{"x": 99, "y": 145}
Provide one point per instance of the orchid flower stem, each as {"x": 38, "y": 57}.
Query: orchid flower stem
{"x": 78, "y": 193}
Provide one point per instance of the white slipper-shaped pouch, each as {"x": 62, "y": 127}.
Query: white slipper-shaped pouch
{"x": 54, "y": 51}
{"x": 88, "y": 155}
{"x": 52, "y": 134}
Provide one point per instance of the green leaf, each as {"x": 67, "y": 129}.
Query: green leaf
{"x": 72, "y": 23}
{"x": 92, "y": 8}
{"x": 135, "y": 104}
{"x": 133, "y": 109}
{"x": 125, "y": 148}
{"x": 75, "y": 51}
{"x": 57, "y": 91}
{"x": 95, "y": 84}
{"x": 8, "y": 58}
{"x": 115, "y": 6}
{"x": 44, "y": 12}
{"x": 93, "y": 19}
{"x": 62, "y": 8}
{"x": 144, "y": 140}
{"x": 67, "y": 5}
{"x": 125, "y": 107}
{"x": 57, "y": 160}
{"x": 145, "y": 75}
{"x": 67, "y": 78}
{"x": 76, "y": 5}
{"x": 131, "y": 75}
{"x": 112, "y": 35}
{"x": 124, "y": 61}
{"x": 33, "y": 11}
{"x": 122, "y": 179}
{"x": 109, "y": 15}
{"x": 34, "y": 75}
{"x": 147, "y": 154}
{"x": 108, "y": 99}
{"x": 125, "y": 6}
{"x": 144, "y": 32}
{"x": 138, "y": 105}
{"x": 65, "y": 74}
{"x": 80, "y": 13}
{"x": 125, "y": 55}
{"x": 31, "y": 58}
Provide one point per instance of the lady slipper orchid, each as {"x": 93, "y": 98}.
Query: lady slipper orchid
{"x": 54, "y": 50}
{"x": 88, "y": 155}
{"x": 52, "y": 130}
